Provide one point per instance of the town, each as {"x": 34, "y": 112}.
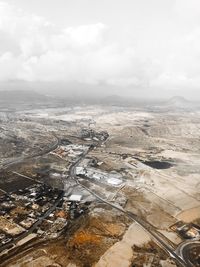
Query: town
{"x": 85, "y": 189}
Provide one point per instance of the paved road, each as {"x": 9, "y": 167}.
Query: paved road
{"x": 158, "y": 237}
{"x": 49, "y": 211}
{"x": 21, "y": 159}
{"x": 36, "y": 224}
{"x": 185, "y": 251}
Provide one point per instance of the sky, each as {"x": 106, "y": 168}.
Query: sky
{"x": 140, "y": 47}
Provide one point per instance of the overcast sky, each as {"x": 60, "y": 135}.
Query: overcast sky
{"x": 145, "y": 46}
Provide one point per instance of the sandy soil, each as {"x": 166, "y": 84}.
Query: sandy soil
{"x": 121, "y": 253}
{"x": 189, "y": 215}
{"x": 159, "y": 196}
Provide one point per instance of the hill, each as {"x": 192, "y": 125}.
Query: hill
{"x": 21, "y": 96}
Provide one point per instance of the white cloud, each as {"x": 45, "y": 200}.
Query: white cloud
{"x": 33, "y": 49}
{"x": 8, "y": 66}
{"x": 188, "y": 12}
{"x": 71, "y": 54}
{"x": 84, "y": 35}
{"x": 181, "y": 67}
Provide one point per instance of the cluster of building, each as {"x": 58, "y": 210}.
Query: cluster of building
{"x": 70, "y": 152}
{"x": 90, "y": 134}
{"x": 42, "y": 211}
{"x": 69, "y": 209}
{"x": 19, "y": 211}
{"x": 186, "y": 230}
{"x": 37, "y": 211}
{"x": 111, "y": 178}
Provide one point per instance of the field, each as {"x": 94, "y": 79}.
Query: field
{"x": 157, "y": 157}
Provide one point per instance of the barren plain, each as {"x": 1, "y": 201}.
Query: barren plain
{"x": 123, "y": 183}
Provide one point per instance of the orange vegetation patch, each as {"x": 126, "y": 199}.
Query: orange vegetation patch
{"x": 83, "y": 237}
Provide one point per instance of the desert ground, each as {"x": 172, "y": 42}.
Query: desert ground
{"x": 145, "y": 180}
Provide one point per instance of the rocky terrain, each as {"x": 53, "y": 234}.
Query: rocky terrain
{"x": 141, "y": 181}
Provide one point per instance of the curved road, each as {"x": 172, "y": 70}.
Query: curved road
{"x": 189, "y": 251}
{"x": 5, "y": 165}
{"x": 50, "y": 210}
{"x": 36, "y": 224}
{"x": 158, "y": 237}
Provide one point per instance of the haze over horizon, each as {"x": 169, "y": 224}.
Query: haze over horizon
{"x": 132, "y": 48}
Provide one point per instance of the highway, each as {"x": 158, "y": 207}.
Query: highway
{"x": 21, "y": 159}
{"x": 161, "y": 240}
{"x": 187, "y": 251}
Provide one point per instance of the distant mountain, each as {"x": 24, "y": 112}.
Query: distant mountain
{"x": 22, "y": 96}
{"x": 178, "y": 101}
